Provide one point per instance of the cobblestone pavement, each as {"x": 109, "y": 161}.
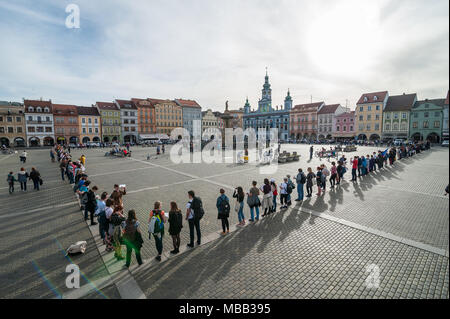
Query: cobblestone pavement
{"x": 396, "y": 219}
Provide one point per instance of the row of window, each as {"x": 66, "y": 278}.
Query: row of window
{"x": 304, "y": 127}
{"x": 426, "y": 114}
{"x": 115, "y": 114}
{"x": 303, "y": 119}
{"x": 369, "y": 108}
{"x": 396, "y": 115}
{"x": 425, "y": 124}
{"x": 9, "y": 119}
{"x": 89, "y": 120}
{"x": 168, "y": 117}
{"x": 209, "y": 123}
{"x": 60, "y": 120}
{"x": 10, "y": 130}
{"x": 369, "y": 117}
{"x": 344, "y": 120}
{"x": 62, "y": 130}
{"x": 325, "y": 129}
{"x": 39, "y": 109}
{"x": 39, "y": 119}
{"x": 395, "y": 126}
{"x": 369, "y": 127}
{"x": 40, "y": 129}
{"x": 131, "y": 114}
{"x": 129, "y": 129}
{"x": 344, "y": 128}
{"x": 111, "y": 130}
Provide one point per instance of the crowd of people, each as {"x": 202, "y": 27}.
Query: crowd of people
{"x": 118, "y": 229}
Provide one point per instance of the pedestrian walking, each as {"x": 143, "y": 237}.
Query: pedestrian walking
{"x": 223, "y": 211}
{"x": 175, "y": 226}
{"x": 11, "y": 179}
{"x": 35, "y": 176}
{"x": 132, "y": 238}
{"x": 334, "y": 175}
{"x": 355, "y": 165}
{"x": 156, "y": 228}
{"x": 311, "y": 151}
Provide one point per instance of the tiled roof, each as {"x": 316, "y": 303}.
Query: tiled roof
{"x": 308, "y": 107}
{"x": 91, "y": 111}
{"x": 106, "y": 106}
{"x": 446, "y": 101}
{"x": 65, "y": 109}
{"x": 329, "y": 109}
{"x": 380, "y": 96}
{"x": 438, "y": 102}
{"x": 346, "y": 114}
{"x": 156, "y": 101}
{"x": 126, "y": 104}
{"x": 36, "y": 103}
{"x": 142, "y": 103}
{"x": 187, "y": 103}
{"x": 402, "y": 102}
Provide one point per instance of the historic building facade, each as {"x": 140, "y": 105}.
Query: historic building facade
{"x": 344, "y": 126}
{"x": 209, "y": 124}
{"x": 12, "y": 124}
{"x": 238, "y": 118}
{"x": 369, "y": 115}
{"x": 396, "y": 116}
{"x": 67, "y": 128}
{"x": 325, "y": 118}
{"x": 110, "y": 118}
{"x": 266, "y": 117}
{"x": 89, "y": 122}
{"x": 39, "y": 123}
{"x": 427, "y": 120}
{"x": 128, "y": 120}
{"x": 304, "y": 123}
{"x": 445, "y": 135}
{"x": 169, "y": 116}
{"x": 192, "y": 111}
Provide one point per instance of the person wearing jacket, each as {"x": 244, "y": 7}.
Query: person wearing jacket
{"x": 22, "y": 177}
{"x": 91, "y": 204}
{"x": 11, "y": 179}
{"x": 175, "y": 226}
{"x": 132, "y": 238}
{"x": 253, "y": 198}
{"x": 35, "y": 176}
{"x": 223, "y": 216}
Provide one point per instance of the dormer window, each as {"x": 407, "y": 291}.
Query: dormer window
{"x": 46, "y": 110}
{"x": 30, "y": 109}
{"x": 365, "y": 99}
{"x": 375, "y": 98}
{"x": 38, "y": 109}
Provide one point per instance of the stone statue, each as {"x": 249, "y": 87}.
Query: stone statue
{"x": 226, "y": 106}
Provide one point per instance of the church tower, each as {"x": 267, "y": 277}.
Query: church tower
{"x": 247, "y": 107}
{"x": 288, "y": 102}
{"x": 265, "y": 104}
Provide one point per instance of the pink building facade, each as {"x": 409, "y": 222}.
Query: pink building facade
{"x": 344, "y": 127}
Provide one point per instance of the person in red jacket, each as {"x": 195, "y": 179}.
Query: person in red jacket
{"x": 354, "y": 168}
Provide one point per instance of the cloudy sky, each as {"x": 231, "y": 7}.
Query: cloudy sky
{"x": 213, "y": 51}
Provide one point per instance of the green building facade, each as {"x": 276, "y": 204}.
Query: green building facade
{"x": 427, "y": 120}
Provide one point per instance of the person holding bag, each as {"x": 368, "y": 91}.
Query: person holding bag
{"x": 175, "y": 226}
{"x": 156, "y": 228}
{"x": 223, "y": 208}
{"x": 253, "y": 202}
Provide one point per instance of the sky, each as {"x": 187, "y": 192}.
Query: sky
{"x": 213, "y": 51}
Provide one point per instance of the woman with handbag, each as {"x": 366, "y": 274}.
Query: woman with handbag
{"x": 223, "y": 208}
{"x": 132, "y": 238}
{"x": 253, "y": 202}
{"x": 239, "y": 208}
{"x": 175, "y": 226}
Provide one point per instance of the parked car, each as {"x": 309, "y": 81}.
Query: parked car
{"x": 444, "y": 143}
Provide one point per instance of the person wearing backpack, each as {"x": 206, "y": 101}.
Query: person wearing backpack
{"x": 91, "y": 205}
{"x": 301, "y": 180}
{"x": 253, "y": 202}
{"x": 240, "y": 196}
{"x": 175, "y": 226}
{"x": 11, "y": 179}
{"x": 132, "y": 238}
{"x": 194, "y": 212}
{"x": 117, "y": 219}
{"x": 223, "y": 209}
{"x": 156, "y": 228}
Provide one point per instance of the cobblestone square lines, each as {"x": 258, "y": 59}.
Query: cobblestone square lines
{"x": 293, "y": 257}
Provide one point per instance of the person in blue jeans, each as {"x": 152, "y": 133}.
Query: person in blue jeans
{"x": 239, "y": 195}
{"x": 301, "y": 180}
{"x": 253, "y": 196}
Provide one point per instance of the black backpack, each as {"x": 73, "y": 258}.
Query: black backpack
{"x": 197, "y": 206}
{"x": 224, "y": 208}
{"x": 302, "y": 179}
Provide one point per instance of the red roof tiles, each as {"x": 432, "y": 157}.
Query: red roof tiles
{"x": 372, "y": 97}
{"x": 329, "y": 109}
{"x": 106, "y": 106}
{"x": 187, "y": 103}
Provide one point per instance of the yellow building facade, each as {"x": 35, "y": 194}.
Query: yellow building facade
{"x": 369, "y": 116}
